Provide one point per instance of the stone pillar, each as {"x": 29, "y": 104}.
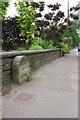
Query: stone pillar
{"x": 20, "y": 69}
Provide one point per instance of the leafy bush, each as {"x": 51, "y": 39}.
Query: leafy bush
{"x": 49, "y": 45}
{"x": 26, "y": 19}
{"x": 10, "y": 34}
{"x": 21, "y": 49}
{"x": 74, "y": 37}
{"x": 3, "y": 8}
{"x": 36, "y": 47}
{"x": 38, "y": 42}
{"x": 64, "y": 48}
{"x": 43, "y": 43}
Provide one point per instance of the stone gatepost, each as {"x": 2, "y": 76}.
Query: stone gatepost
{"x": 20, "y": 69}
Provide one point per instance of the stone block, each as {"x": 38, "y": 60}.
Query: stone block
{"x": 20, "y": 69}
{"x": 6, "y": 64}
{"x": 6, "y": 76}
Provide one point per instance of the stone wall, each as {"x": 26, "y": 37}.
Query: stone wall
{"x": 36, "y": 59}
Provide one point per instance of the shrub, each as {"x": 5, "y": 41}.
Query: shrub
{"x": 64, "y": 48}
{"x": 36, "y": 47}
{"x": 49, "y": 45}
{"x": 74, "y": 37}
{"x": 10, "y": 34}
{"x": 38, "y": 42}
{"x": 21, "y": 49}
{"x": 43, "y": 43}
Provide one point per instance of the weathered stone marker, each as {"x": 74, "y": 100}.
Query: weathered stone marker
{"x": 20, "y": 69}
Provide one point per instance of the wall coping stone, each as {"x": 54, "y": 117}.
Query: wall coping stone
{"x": 18, "y": 53}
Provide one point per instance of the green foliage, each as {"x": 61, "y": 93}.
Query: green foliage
{"x": 38, "y": 42}
{"x": 64, "y": 48}
{"x": 36, "y": 47}
{"x": 29, "y": 78}
{"x": 21, "y": 49}
{"x": 3, "y": 8}
{"x": 49, "y": 45}
{"x": 42, "y": 44}
{"x": 26, "y": 19}
{"x": 77, "y": 24}
{"x": 73, "y": 34}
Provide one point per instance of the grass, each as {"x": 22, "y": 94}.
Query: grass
{"x": 29, "y": 78}
{"x": 21, "y": 49}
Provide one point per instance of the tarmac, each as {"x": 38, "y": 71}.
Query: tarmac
{"x": 52, "y": 93}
